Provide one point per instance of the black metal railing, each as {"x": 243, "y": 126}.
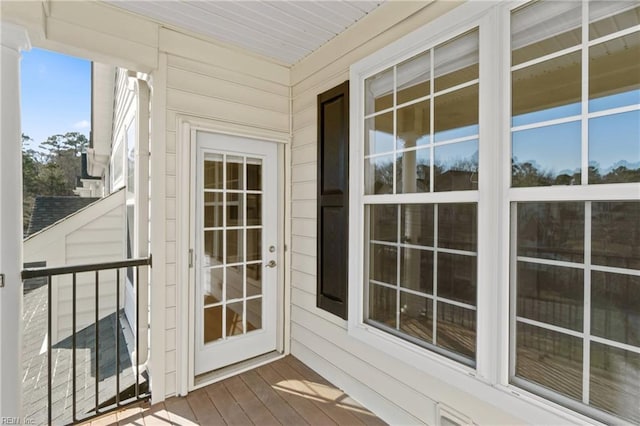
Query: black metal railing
{"x": 138, "y": 394}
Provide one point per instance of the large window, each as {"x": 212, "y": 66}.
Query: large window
{"x": 530, "y": 277}
{"x": 421, "y": 137}
{"x": 575, "y": 263}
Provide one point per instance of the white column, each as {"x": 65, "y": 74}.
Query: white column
{"x": 13, "y": 39}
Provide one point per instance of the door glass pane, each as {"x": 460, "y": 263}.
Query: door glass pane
{"x": 254, "y": 244}
{"x": 212, "y": 248}
{"x": 254, "y": 209}
{"x": 235, "y": 280}
{"x": 213, "y": 171}
{"x": 213, "y": 210}
{"x": 254, "y": 314}
{"x": 254, "y": 174}
{"x": 234, "y": 319}
{"x": 235, "y": 209}
{"x": 235, "y": 173}
{"x": 212, "y": 285}
{"x": 254, "y": 279}
{"x": 235, "y": 246}
{"x": 212, "y": 324}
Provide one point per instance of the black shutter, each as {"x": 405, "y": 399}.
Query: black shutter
{"x": 333, "y": 199}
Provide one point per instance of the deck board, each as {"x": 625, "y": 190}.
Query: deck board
{"x": 284, "y": 392}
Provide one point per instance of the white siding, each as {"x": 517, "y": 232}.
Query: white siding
{"x": 91, "y": 235}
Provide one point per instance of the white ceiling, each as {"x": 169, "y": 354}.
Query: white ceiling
{"x": 286, "y": 31}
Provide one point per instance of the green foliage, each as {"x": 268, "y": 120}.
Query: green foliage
{"x": 53, "y": 171}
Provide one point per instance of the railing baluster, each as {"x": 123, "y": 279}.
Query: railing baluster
{"x": 97, "y": 338}
{"x": 49, "y": 352}
{"x": 118, "y": 337}
{"x": 137, "y": 287}
{"x": 73, "y": 345}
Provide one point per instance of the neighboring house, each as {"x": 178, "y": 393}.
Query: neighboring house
{"x": 372, "y": 228}
{"x": 49, "y": 209}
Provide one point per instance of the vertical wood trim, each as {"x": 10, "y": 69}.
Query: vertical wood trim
{"x": 333, "y": 200}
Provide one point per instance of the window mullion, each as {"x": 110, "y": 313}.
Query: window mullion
{"x": 586, "y": 343}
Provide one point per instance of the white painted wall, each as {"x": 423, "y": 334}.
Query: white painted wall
{"x": 91, "y": 235}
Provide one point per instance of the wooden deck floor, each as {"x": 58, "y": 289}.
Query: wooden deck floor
{"x": 284, "y": 392}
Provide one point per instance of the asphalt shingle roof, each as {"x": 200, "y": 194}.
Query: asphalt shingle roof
{"x": 47, "y": 210}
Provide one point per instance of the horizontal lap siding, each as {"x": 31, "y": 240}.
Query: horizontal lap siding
{"x": 404, "y": 394}
{"x": 227, "y": 88}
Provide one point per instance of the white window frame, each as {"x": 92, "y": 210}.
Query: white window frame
{"x": 489, "y": 380}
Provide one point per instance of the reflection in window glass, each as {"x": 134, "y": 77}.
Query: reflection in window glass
{"x": 551, "y": 231}
{"x": 608, "y": 16}
{"x": 379, "y": 134}
{"x": 614, "y": 148}
{"x": 614, "y": 378}
{"x": 456, "y": 61}
{"x": 551, "y": 294}
{"x": 615, "y": 307}
{"x": 413, "y": 125}
{"x": 547, "y": 90}
{"x": 378, "y": 175}
{"x": 547, "y": 155}
{"x": 413, "y": 77}
{"x": 550, "y": 359}
{"x": 413, "y": 171}
{"x": 456, "y": 114}
{"x": 407, "y": 267}
{"x": 615, "y": 234}
{"x": 614, "y": 73}
{"x": 456, "y": 166}
{"x": 379, "y": 92}
{"x": 544, "y": 27}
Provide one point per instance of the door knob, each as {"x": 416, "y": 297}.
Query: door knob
{"x": 271, "y": 264}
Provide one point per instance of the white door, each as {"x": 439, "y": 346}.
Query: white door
{"x": 236, "y": 246}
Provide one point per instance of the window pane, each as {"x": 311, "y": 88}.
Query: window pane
{"x": 615, "y": 234}
{"x": 378, "y": 92}
{"x": 456, "y": 329}
{"x": 413, "y": 171}
{"x": 615, "y": 375}
{"x": 254, "y": 209}
{"x": 456, "y": 114}
{"x": 608, "y": 17}
{"x": 382, "y": 305}
{"x": 457, "y": 226}
{"x": 235, "y": 282}
{"x": 457, "y": 277}
{"x": 235, "y": 249}
{"x": 254, "y": 174}
{"x": 551, "y": 294}
{"x": 414, "y": 79}
{"x": 212, "y": 248}
{"x": 551, "y": 230}
{"x": 416, "y": 316}
{"x": 378, "y": 134}
{"x": 417, "y": 224}
{"x": 235, "y": 209}
{"x": 212, "y": 324}
{"x": 383, "y": 219}
{"x": 254, "y": 279}
{"x": 254, "y": 244}
{"x": 614, "y": 73}
{"x": 550, "y": 359}
{"x": 456, "y": 166}
{"x": 413, "y": 123}
{"x": 615, "y": 307}
{"x": 456, "y": 61}
{"x": 378, "y": 175}
{"x": 614, "y": 148}
{"x": 383, "y": 263}
{"x": 212, "y": 285}
{"x": 234, "y": 319}
{"x": 544, "y": 27}
{"x": 547, "y": 90}
{"x": 416, "y": 270}
{"x": 547, "y": 155}
{"x": 254, "y": 314}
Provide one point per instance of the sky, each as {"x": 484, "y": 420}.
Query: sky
{"x": 55, "y": 94}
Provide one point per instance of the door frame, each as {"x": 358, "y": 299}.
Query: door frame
{"x": 185, "y": 147}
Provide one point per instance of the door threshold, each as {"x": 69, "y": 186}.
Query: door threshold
{"x": 206, "y": 379}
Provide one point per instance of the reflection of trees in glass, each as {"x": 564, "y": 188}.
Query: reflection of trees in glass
{"x": 527, "y": 173}
{"x": 621, "y": 172}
